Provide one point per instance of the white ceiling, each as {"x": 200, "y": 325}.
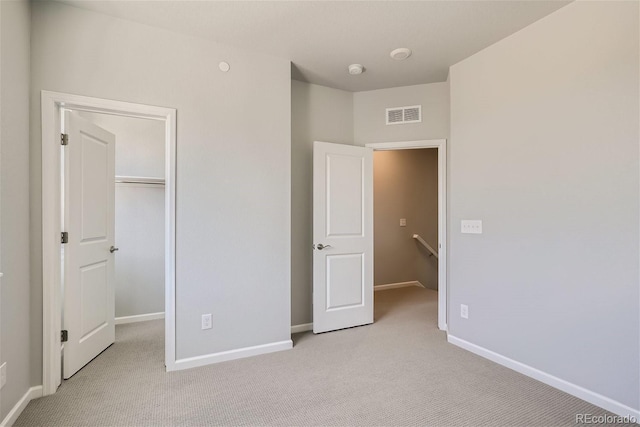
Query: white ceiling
{"x": 321, "y": 38}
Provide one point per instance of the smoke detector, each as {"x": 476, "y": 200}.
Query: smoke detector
{"x": 400, "y": 53}
{"x": 355, "y": 69}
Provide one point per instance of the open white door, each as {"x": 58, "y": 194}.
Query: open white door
{"x": 342, "y": 236}
{"x": 89, "y": 220}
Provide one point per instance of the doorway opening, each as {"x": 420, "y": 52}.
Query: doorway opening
{"x": 152, "y": 178}
{"x": 139, "y": 215}
{"x": 410, "y": 217}
{"x": 405, "y": 223}
{"x": 135, "y": 237}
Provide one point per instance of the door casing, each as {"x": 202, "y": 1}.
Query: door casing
{"x": 52, "y": 104}
{"x": 441, "y": 145}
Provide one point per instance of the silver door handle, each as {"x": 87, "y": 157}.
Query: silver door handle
{"x": 112, "y": 249}
{"x": 320, "y": 246}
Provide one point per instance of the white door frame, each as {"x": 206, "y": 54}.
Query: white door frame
{"x": 441, "y": 145}
{"x": 52, "y": 104}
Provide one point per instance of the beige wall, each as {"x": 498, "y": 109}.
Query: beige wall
{"x": 369, "y": 123}
{"x": 233, "y": 165}
{"x": 544, "y": 150}
{"x": 318, "y": 113}
{"x": 15, "y": 339}
{"x": 405, "y": 186}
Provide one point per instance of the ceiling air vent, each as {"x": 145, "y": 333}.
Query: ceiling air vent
{"x": 403, "y": 115}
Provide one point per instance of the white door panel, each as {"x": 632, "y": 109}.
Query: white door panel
{"x": 343, "y": 236}
{"x": 94, "y": 187}
{"x": 342, "y": 269}
{"x": 344, "y": 177}
{"x": 89, "y": 220}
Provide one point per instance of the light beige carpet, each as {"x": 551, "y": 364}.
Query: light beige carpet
{"x": 398, "y": 371}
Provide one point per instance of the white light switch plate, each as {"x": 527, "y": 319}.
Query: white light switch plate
{"x": 471, "y": 226}
{"x": 403, "y": 222}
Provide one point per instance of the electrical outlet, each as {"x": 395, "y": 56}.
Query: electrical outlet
{"x": 464, "y": 311}
{"x": 206, "y": 321}
{"x": 471, "y": 226}
{"x": 3, "y": 374}
{"x": 403, "y": 222}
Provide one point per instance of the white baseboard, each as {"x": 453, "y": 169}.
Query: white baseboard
{"x": 224, "y": 356}
{"x": 139, "y": 318}
{"x": 304, "y": 327}
{"x": 397, "y": 285}
{"x": 573, "y": 389}
{"x": 14, "y": 413}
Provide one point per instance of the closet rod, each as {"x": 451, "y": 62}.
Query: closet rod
{"x": 139, "y": 180}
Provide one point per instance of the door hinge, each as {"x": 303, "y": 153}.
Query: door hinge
{"x": 64, "y": 335}
{"x": 64, "y": 139}
{"x": 64, "y": 238}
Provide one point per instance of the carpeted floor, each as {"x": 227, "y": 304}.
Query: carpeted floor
{"x": 398, "y": 371}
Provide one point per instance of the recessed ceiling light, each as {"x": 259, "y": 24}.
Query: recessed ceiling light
{"x": 400, "y": 53}
{"x": 355, "y": 69}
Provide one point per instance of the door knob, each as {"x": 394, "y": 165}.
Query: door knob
{"x": 112, "y": 249}
{"x": 320, "y": 246}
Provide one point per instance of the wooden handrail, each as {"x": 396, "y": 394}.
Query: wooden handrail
{"x": 426, "y": 245}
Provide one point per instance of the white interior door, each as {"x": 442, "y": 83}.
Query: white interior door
{"x": 89, "y": 220}
{"x": 342, "y": 236}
